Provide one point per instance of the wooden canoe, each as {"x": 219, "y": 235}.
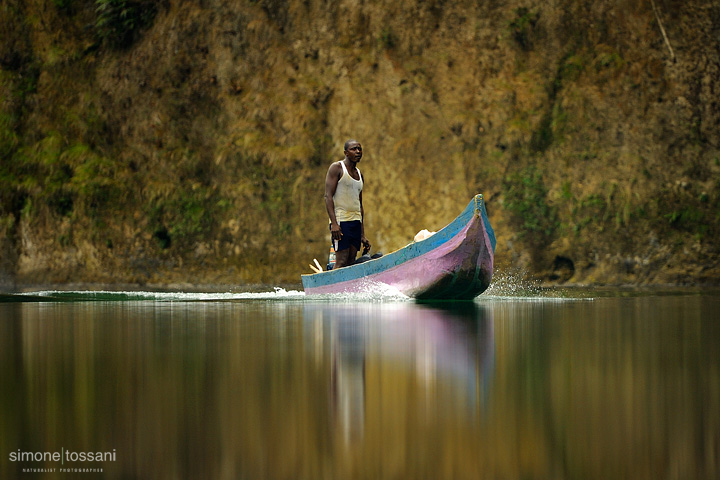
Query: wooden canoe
{"x": 455, "y": 263}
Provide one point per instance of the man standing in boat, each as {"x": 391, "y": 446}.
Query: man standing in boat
{"x": 343, "y": 200}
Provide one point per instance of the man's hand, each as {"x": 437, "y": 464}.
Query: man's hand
{"x": 335, "y": 231}
{"x": 366, "y": 245}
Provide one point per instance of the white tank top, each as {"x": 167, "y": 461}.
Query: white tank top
{"x": 347, "y": 197}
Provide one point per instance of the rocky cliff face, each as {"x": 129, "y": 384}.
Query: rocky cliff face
{"x": 170, "y": 141}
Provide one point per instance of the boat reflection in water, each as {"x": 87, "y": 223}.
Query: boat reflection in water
{"x": 395, "y": 365}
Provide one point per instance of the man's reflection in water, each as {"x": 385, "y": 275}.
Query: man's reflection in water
{"x": 348, "y": 377}
{"x": 444, "y": 353}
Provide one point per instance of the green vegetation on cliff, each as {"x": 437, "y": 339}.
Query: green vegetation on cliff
{"x": 163, "y": 141}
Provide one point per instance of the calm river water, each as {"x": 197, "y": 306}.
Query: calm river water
{"x": 554, "y": 384}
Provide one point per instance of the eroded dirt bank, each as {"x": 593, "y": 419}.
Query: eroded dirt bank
{"x": 189, "y": 144}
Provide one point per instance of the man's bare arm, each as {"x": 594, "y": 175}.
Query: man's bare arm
{"x": 331, "y": 182}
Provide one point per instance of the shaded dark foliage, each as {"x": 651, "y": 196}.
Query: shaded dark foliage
{"x": 119, "y": 22}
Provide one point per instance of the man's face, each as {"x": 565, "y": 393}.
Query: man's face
{"x": 354, "y": 152}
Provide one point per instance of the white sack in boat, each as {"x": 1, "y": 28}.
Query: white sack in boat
{"x": 423, "y": 234}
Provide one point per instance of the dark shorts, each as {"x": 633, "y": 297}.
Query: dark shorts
{"x": 351, "y": 233}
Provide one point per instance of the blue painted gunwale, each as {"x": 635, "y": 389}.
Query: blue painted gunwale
{"x": 410, "y": 251}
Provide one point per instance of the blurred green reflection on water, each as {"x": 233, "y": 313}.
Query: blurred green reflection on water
{"x": 189, "y": 387}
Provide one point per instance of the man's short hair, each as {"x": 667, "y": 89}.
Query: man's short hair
{"x": 347, "y": 144}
